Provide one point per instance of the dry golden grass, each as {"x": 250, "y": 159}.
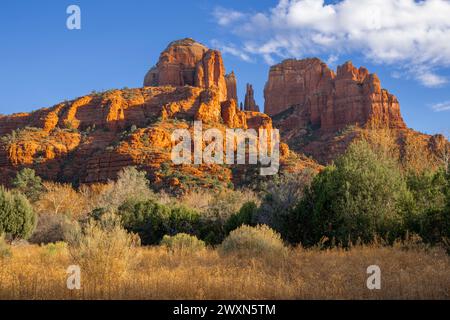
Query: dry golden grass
{"x": 34, "y": 272}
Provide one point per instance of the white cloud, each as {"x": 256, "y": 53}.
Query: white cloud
{"x": 443, "y": 106}
{"x": 431, "y": 80}
{"x": 226, "y": 17}
{"x": 411, "y": 36}
{"x": 231, "y": 49}
{"x": 332, "y": 59}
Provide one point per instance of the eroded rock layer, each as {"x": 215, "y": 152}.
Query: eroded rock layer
{"x": 319, "y": 113}
{"x": 90, "y": 139}
{"x": 330, "y": 101}
{"x": 188, "y": 63}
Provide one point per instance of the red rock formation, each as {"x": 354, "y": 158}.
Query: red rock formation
{"x": 177, "y": 64}
{"x": 90, "y": 140}
{"x": 249, "y": 102}
{"x": 257, "y": 120}
{"x": 330, "y": 101}
{"x": 231, "y": 86}
{"x": 188, "y": 63}
{"x": 319, "y": 113}
{"x": 232, "y": 116}
{"x": 209, "y": 109}
{"x": 210, "y": 73}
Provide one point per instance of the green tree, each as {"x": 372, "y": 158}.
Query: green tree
{"x": 17, "y": 218}
{"x": 428, "y": 190}
{"x": 362, "y": 196}
{"x": 434, "y": 223}
{"x": 27, "y": 182}
{"x": 245, "y": 216}
{"x": 427, "y": 217}
{"x": 152, "y": 221}
{"x": 280, "y": 197}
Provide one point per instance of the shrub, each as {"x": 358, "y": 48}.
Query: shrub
{"x": 183, "y": 219}
{"x": 147, "y": 218}
{"x": 434, "y": 226}
{"x": 152, "y": 220}
{"x": 131, "y": 184}
{"x": 103, "y": 249}
{"x": 220, "y": 208}
{"x": 17, "y": 218}
{"x": 93, "y": 195}
{"x": 364, "y": 195}
{"x": 61, "y": 199}
{"x": 253, "y": 242}
{"x": 428, "y": 190}
{"x": 428, "y": 217}
{"x": 183, "y": 243}
{"x": 5, "y": 250}
{"x": 51, "y": 229}
{"x": 244, "y": 216}
{"x": 27, "y": 182}
{"x": 56, "y": 248}
{"x": 281, "y": 196}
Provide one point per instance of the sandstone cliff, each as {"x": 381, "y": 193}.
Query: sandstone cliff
{"x": 188, "y": 63}
{"x": 330, "y": 101}
{"x": 91, "y": 138}
{"x": 319, "y": 113}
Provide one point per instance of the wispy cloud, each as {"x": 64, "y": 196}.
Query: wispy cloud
{"x": 225, "y": 17}
{"x": 442, "y": 106}
{"x": 431, "y": 80}
{"x": 231, "y": 49}
{"x": 332, "y": 59}
{"x": 411, "y": 36}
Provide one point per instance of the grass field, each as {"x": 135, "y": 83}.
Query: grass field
{"x": 33, "y": 272}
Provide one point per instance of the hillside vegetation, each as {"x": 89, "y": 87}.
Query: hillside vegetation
{"x": 302, "y": 235}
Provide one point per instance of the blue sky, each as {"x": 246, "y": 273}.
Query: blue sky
{"x": 43, "y": 63}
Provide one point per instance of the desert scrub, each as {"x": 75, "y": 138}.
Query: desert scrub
{"x": 5, "y": 250}
{"x": 183, "y": 243}
{"x": 104, "y": 250}
{"x": 306, "y": 273}
{"x": 152, "y": 220}
{"x": 56, "y": 248}
{"x": 259, "y": 241}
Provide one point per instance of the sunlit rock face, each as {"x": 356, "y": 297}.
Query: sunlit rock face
{"x": 328, "y": 100}
{"x": 189, "y": 63}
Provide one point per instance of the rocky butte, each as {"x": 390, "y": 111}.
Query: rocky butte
{"x": 91, "y": 138}
{"x": 320, "y": 111}
{"x": 189, "y": 63}
{"x": 331, "y": 101}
